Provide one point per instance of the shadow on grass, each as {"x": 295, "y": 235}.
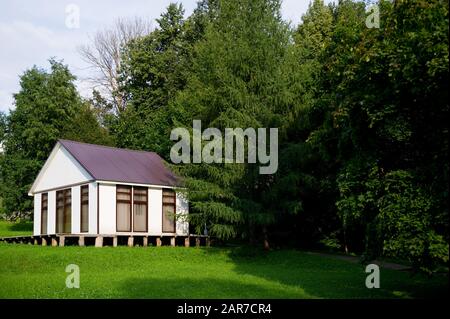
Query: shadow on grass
{"x": 326, "y": 277}
{"x": 207, "y": 288}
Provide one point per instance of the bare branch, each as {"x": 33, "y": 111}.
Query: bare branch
{"x": 103, "y": 55}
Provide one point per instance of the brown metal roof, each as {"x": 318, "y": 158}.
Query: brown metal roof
{"x": 121, "y": 165}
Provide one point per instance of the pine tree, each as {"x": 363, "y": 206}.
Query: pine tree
{"x": 237, "y": 80}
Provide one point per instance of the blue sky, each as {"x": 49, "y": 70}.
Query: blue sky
{"x": 33, "y": 31}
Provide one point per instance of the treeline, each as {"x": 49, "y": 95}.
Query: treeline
{"x": 362, "y": 116}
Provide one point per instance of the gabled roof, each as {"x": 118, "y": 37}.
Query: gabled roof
{"x": 106, "y": 163}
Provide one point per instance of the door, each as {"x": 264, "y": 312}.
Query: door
{"x": 169, "y": 210}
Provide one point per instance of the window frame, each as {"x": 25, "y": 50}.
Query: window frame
{"x": 174, "y": 204}
{"x": 64, "y": 206}
{"x": 130, "y": 202}
{"x": 84, "y": 202}
{"x": 46, "y": 213}
{"x": 140, "y": 203}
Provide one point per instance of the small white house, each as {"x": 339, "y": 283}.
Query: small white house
{"x": 86, "y": 189}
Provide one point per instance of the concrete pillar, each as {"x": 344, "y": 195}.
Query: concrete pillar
{"x": 186, "y": 242}
{"x": 44, "y": 241}
{"x": 62, "y": 240}
{"x": 158, "y": 241}
{"x": 115, "y": 241}
{"x": 145, "y": 241}
{"x": 130, "y": 241}
{"x": 81, "y": 241}
{"x": 36, "y": 242}
{"x": 172, "y": 241}
{"x": 99, "y": 241}
{"x": 208, "y": 242}
{"x": 54, "y": 242}
{"x": 197, "y": 241}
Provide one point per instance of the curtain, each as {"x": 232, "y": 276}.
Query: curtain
{"x": 44, "y": 213}
{"x": 123, "y": 216}
{"x": 169, "y": 209}
{"x": 85, "y": 208}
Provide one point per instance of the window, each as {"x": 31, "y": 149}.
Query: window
{"x": 140, "y": 209}
{"x": 84, "y": 207}
{"x": 169, "y": 209}
{"x": 44, "y": 213}
{"x": 123, "y": 208}
{"x": 64, "y": 211}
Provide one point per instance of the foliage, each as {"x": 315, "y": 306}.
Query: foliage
{"x": 389, "y": 131}
{"x": 48, "y": 107}
{"x": 362, "y": 115}
{"x": 238, "y": 79}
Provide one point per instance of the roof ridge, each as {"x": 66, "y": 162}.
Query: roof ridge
{"x": 107, "y": 146}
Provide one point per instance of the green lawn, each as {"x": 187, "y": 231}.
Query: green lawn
{"x": 28, "y": 271}
{"x": 8, "y": 229}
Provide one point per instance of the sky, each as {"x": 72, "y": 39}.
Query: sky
{"x": 31, "y": 32}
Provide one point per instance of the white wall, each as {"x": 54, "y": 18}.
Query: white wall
{"x": 155, "y": 211}
{"x": 76, "y": 211}
{"x": 182, "y": 226}
{"x": 51, "y": 226}
{"x": 37, "y": 215}
{"x": 107, "y": 209}
{"x": 60, "y": 170}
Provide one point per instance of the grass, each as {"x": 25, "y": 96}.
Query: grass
{"x": 176, "y": 272}
{"x": 8, "y": 229}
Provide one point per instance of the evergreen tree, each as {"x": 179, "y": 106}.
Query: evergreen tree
{"x": 238, "y": 79}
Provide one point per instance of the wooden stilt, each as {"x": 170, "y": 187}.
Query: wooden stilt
{"x": 186, "y": 242}
{"x": 81, "y": 241}
{"x": 115, "y": 241}
{"x": 54, "y": 242}
{"x": 172, "y": 241}
{"x": 158, "y": 241}
{"x": 130, "y": 241}
{"x": 145, "y": 241}
{"x": 61, "y": 241}
{"x": 99, "y": 241}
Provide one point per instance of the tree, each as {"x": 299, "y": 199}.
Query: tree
{"x": 48, "y": 107}
{"x": 387, "y": 97}
{"x": 237, "y": 80}
{"x": 303, "y": 190}
{"x": 154, "y": 69}
{"x": 104, "y": 57}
